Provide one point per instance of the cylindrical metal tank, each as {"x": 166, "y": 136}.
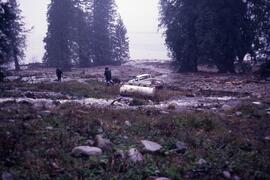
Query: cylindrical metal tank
{"x": 130, "y": 90}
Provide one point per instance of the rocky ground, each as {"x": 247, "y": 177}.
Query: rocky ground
{"x": 199, "y": 126}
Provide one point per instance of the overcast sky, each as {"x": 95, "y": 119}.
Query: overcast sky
{"x": 139, "y": 16}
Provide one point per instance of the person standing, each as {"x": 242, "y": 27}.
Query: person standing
{"x": 59, "y": 74}
{"x": 108, "y": 76}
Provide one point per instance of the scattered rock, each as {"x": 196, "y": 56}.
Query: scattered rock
{"x": 267, "y": 138}
{"x": 55, "y": 166}
{"x": 238, "y": 113}
{"x": 201, "y": 161}
{"x": 7, "y": 176}
{"x": 87, "y": 151}
{"x": 162, "y": 178}
{"x": 257, "y": 103}
{"x": 172, "y": 106}
{"x": 236, "y": 178}
{"x": 100, "y": 130}
{"x": 164, "y": 112}
{"x": 103, "y": 143}
{"x": 226, "y": 174}
{"x": 89, "y": 142}
{"x": 226, "y": 107}
{"x": 180, "y": 146}
{"x": 257, "y": 95}
{"x": 157, "y": 178}
{"x": 30, "y": 95}
{"x": 45, "y": 113}
{"x": 151, "y": 146}
{"x": 135, "y": 155}
{"x": 127, "y": 123}
{"x": 49, "y": 128}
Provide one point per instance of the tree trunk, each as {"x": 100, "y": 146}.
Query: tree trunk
{"x": 16, "y": 60}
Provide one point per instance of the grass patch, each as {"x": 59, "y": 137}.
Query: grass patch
{"x": 92, "y": 89}
{"x": 30, "y": 150}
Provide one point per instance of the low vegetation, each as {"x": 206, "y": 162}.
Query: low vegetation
{"x": 37, "y": 144}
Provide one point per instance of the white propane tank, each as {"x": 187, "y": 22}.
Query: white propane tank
{"x": 130, "y": 90}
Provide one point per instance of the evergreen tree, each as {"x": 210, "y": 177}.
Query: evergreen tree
{"x": 103, "y": 23}
{"x": 215, "y": 32}
{"x": 59, "y": 42}
{"x": 120, "y": 43}
{"x": 178, "y": 17}
{"x": 12, "y": 33}
{"x": 259, "y": 15}
{"x": 222, "y": 32}
{"x": 5, "y": 28}
{"x": 84, "y": 32}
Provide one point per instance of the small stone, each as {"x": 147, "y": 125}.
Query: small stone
{"x": 257, "y": 103}
{"x": 49, "y": 128}
{"x": 158, "y": 178}
{"x": 164, "y": 112}
{"x": 227, "y": 174}
{"x": 162, "y": 178}
{"x": 201, "y": 162}
{"x": 7, "y": 176}
{"x": 257, "y": 95}
{"x": 87, "y": 151}
{"x": 135, "y": 155}
{"x": 238, "y": 113}
{"x": 226, "y": 107}
{"x": 55, "y": 166}
{"x": 89, "y": 142}
{"x": 127, "y": 123}
{"x": 100, "y": 130}
{"x": 236, "y": 178}
{"x": 172, "y": 106}
{"x": 151, "y": 146}
{"x": 267, "y": 138}
{"x": 45, "y": 113}
{"x": 181, "y": 146}
{"x": 103, "y": 143}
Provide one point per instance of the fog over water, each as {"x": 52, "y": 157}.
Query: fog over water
{"x": 139, "y": 16}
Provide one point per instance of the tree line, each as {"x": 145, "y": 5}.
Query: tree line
{"x": 12, "y": 34}
{"x": 85, "y": 33}
{"x": 216, "y": 32}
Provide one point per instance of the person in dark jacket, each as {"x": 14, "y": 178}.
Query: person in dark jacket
{"x": 59, "y": 74}
{"x": 108, "y": 76}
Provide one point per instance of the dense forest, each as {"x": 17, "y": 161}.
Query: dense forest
{"x": 215, "y": 32}
{"x": 85, "y": 33}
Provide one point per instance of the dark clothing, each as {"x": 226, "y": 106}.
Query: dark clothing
{"x": 108, "y": 76}
{"x": 59, "y": 74}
